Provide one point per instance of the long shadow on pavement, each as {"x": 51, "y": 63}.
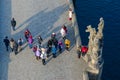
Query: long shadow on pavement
{"x": 5, "y": 30}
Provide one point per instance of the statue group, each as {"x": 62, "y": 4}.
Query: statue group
{"x": 94, "y": 45}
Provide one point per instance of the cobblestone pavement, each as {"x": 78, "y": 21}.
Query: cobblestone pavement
{"x": 40, "y": 17}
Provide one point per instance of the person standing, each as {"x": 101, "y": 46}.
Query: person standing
{"x": 70, "y": 14}
{"x": 63, "y": 33}
{"x": 12, "y": 43}
{"x": 60, "y": 46}
{"x": 49, "y": 46}
{"x": 43, "y": 56}
{"x": 79, "y": 51}
{"x": 20, "y": 43}
{"x": 54, "y": 50}
{"x": 65, "y": 28}
{"x": 38, "y": 53}
{"x": 13, "y": 24}
{"x": 30, "y": 41}
{"x": 7, "y": 42}
{"x": 39, "y": 38}
{"x": 27, "y": 34}
{"x": 15, "y": 47}
{"x": 67, "y": 44}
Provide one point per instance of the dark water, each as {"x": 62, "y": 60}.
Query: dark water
{"x": 89, "y": 12}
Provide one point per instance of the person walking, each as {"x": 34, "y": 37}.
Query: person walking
{"x": 43, "y": 56}
{"x": 67, "y": 44}
{"x": 20, "y": 43}
{"x": 12, "y": 43}
{"x": 13, "y": 24}
{"x": 7, "y": 42}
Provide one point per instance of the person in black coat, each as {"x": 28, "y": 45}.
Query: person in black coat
{"x": 15, "y": 48}
{"x": 13, "y": 23}
{"x": 7, "y": 42}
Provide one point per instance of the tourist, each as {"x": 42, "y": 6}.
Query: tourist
{"x": 30, "y": 41}
{"x": 12, "y": 43}
{"x": 39, "y": 38}
{"x": 38, "y": 53}
{"x": 43, "y": 55}
{"x": 65, "y": 28}
{"x": 60, "y": 46}
{"x": 49, "y": 46}
{"x": 67, "y": 44}
{"x": 20, "y": 43}
{"x": 55, "y": 42}
{"x": 54, "y": 51}
{"x": 27, "y": 34}
{"x": 63, "y": 33}
{"x": 70, "y": 14}
{"x": 7, "y": 42}
{"x": 84, "y": 50}
{"x": 15, "y": 47}
{"x": 13, "y": 24}
{"x": 53, "y": 35}
{"x": 79, "y": 51}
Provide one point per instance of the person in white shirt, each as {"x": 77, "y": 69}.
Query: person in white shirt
{"x": 43, "y": 55}
{"x": 63, "y": 33}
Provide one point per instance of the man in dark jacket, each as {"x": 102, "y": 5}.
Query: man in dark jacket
{"x": 13, "y": 23}
{"x": 7, "y": 42}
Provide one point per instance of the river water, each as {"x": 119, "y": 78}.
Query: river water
{"x": 88, "y": 13}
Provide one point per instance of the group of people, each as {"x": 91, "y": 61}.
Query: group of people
{"x": 53, "y": 46}
{"x": 15, "y": 46}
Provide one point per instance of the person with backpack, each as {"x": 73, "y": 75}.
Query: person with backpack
{"x": 20, "y": 43}
{"x": 7, "y": 42}
{"x": 13, "y": 24}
